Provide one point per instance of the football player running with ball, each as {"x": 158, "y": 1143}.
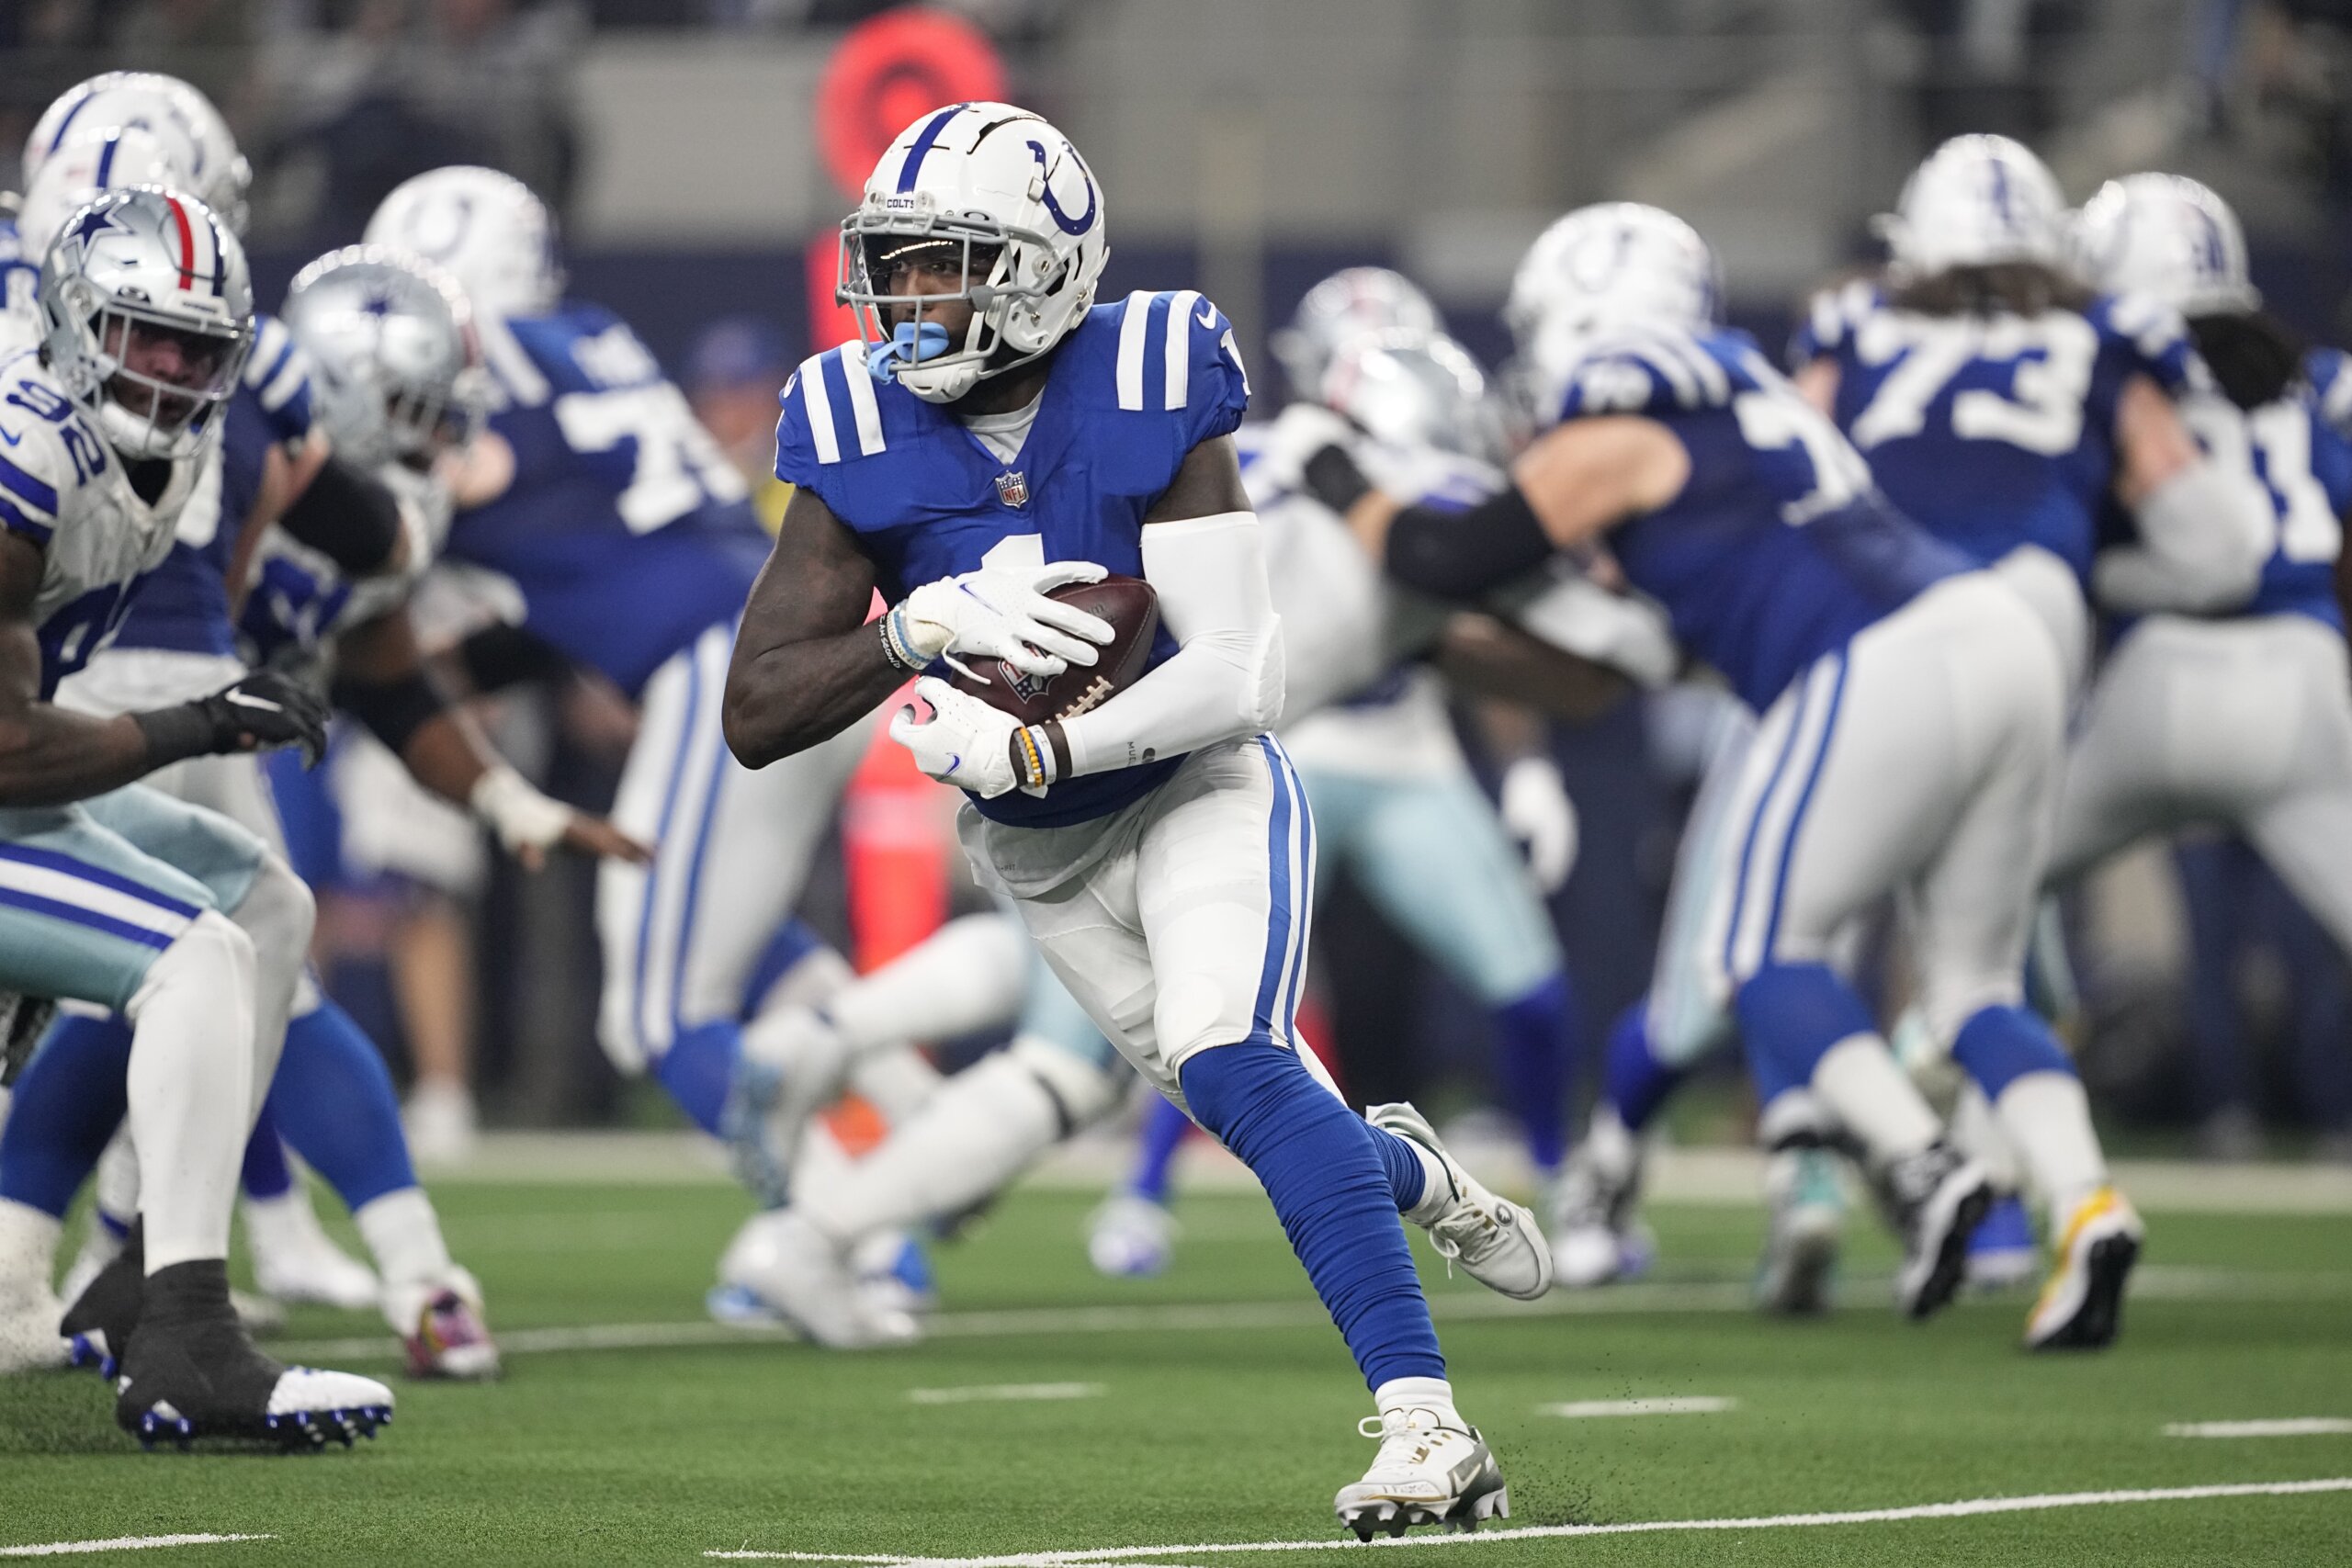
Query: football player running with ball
{"x": 998, "y": 437}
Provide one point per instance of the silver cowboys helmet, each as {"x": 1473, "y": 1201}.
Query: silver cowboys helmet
{"x": 2167, "y": 236}
{"x": 485, "y": 228}
{"x": 194, "y": 136}
{"x": 1350, "y": 302}
{"x": 148, "y": 315}
{"x": 1411, "y": 389}
{"x": 996, "y": 199}
{"x": 394, "y": 359}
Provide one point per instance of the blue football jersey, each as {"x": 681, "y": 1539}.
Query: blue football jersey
{"x": 19, "y": 273}
{"x": 2329, "y": 370}
{"x": 183, "y": 604}
{"x": 625, "y": 531}
{"x": 2305, "y": 464}
{"x": 1133, "y": 389}
{"x": 1778, "y": 549}
{"x": 1994, "y": 432}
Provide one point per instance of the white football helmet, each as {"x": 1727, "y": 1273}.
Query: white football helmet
{"x": 1977, "y": 201}
{"x": 394, "y": 359}
{"x": 1350, "y": 302}
{"x": 1614, "y": 263}
{"x": 1411, "y": 389}
{"x": 485, "y": 228}
{"x": 80, "y": 172}
{"x": 149, "y": 310}
{"x": 1005, "y": 191}
{"x": 194, "y": 135}
{"x": 2167, "y": 236}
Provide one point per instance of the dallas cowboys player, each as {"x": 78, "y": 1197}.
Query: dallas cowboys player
{"x": 1001, "y": 434}
{"x": 119, "y": 896}
{"x": 629, "y": 542}
{"x": 2271, "y": 751}
{"x": 1912, "y": 713}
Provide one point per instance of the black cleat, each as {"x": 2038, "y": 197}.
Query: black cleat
{"x": 1935, "y": 1198}
{"x": 100, "y": 1321}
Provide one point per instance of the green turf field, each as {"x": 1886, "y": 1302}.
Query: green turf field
{"x": 1216, "y": 1406}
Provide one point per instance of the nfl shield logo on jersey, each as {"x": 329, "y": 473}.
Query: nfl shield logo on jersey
{"x": 1013, "y": 490}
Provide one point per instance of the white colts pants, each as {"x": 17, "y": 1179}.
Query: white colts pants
{"x": 1178, "y": 923}
{"x": 1921, "y": 760}
{"x": 731, "y": 853}
{"x": 2246, "y": 722}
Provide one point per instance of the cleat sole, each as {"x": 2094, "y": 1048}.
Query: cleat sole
{"x": 2095, "y": 1323}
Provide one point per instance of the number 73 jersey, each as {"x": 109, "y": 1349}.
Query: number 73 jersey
{"x": 1996, "y": 431}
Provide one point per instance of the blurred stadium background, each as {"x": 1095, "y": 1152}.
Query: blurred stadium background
{"x": 695, "y": 149}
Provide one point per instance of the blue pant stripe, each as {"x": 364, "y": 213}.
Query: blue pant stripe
{"x": 57, "y": 909}
{"x": 1280, "y": 915}
{"x": 1804, "y": 800}
{"x": 1756, "y": 827}
{"x": 694, "y": 872}
{"x": 1303, "y": 834}
{"x": 661, "y": 837}
{"x": 82, "y": 870}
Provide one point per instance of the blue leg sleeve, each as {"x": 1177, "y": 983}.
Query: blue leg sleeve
{"x": 333, "y": 1101}
{"x": 1637, "y": 1082}
{"x": 1532, "y": 1051}
{"x": 266, "y": 1174}
{"x": 1789, "y": 1014}
{"x": 1332, "y": 1193}
{"x": 1164, "y": 1131}
{"x": 699, "y": 1068}
{"x": 1999, "y": 1046}
{"x": 794, "y": 941}
{"x": 1409, "y": 1180}
{"x": 69, "y": 1100}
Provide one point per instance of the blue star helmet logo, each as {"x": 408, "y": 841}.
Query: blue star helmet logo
{"x": 94, "y": 222}
{"x": 378, "y": 304}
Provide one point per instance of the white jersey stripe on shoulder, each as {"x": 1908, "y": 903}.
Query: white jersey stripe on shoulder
{"x": 524, "y": 384}
{"x": 1179, "y": 377}
{"x": 1650, "y": 350}
{"x": 861, "y": 401}
{"x": 285, "y": 384}
{"x": 819, "y": 404}
{"x": 1133, "y": 327}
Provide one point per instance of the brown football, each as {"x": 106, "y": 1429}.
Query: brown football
{"x": 1130, "y": 606}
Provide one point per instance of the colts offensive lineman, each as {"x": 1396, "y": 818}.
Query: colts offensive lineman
{"x": 130, "y": 900}
{"x": 1001, "y": 434}
{"x": 1912, "y": 717}
{"x": 627, "y": 538}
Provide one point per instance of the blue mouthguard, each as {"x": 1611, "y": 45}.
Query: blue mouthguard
{"x": 910, "y": 344}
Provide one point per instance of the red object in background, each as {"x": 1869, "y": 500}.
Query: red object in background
{"x": 890, "y": 70}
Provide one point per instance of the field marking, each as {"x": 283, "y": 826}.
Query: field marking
{"x": 123, "y": 1543}
{"x": 2289, "y": 1427}
{"x": 1968, "y": 1508}
{"x": 982, "y": 1392}
{"x": 2158, "y": 1283}
{"x": 1678, "y": 1405}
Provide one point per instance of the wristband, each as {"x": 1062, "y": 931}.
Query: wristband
{"x": 174, "y": 734}
{"x": 392, "y": 710}
{"x": 519, "y": 814}
{"x": 1333, "y": 479}
{"x": 1034, "y": 760}
{"x": 894, "y": 640}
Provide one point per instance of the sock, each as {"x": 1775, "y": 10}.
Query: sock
{"x": 985, "y": 1126}
{"x": 69, "y": 1100}
{"x": 191, "y": 1090}
{"x": 1789, "y": 1015}
{"x": 1434, "y": 1394}
{"x": 265, "y": 1174}
{"x": 1165, "y": 1128}
{"x": 793, "y": 942}
{"x": 1531, "y": 1061}
{"x": 1875, "y": 1100}
{"x": 1636, "y": 1082}
{"x": 699, "y": 1069}
{"x": 2012, "y": 1056}
{"x": 1794, "y": 1119}
{"x": 27, "y": 1245}
{"x": 1417, "y": 1179}
{"x": 972, "y": 974}
{"x": 1331, "y": 1192}
{"x": 1610, "y": 1145}
{"x": 333, "y": 1100}
{"x": 403, "y": 1234}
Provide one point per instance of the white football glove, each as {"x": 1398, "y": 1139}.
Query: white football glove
{"x": 1537, "y": 811}
{"x": 1000, "y": 613}
{"x": 1298, "y": 432}
{"x": 964, "y": 743}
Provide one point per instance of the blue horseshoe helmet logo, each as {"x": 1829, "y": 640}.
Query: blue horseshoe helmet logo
{"x": 1084, "y": 221}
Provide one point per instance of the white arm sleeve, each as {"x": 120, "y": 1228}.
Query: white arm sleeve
{"x": 1226, "y": 677}
{"x": 2204, "y": 535}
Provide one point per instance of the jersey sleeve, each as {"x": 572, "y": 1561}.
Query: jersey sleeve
{"x": 1176, "y": 359}
{"x": 1655, "y": 373}
{"x": 2329, "y": 370}
{"x": 823, "y": 418}
{"x": 2331, "y": 461}
{"x": 278, "y": 378}
{"x": 2155, "y": 339}
{"x": 46, "y": 453}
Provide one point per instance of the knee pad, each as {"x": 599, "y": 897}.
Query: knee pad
{"x": 1084, "y": 1090}
{"x": 2002, "y": 1045}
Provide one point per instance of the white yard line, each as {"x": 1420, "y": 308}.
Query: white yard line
{"x": 1970, "y": 1509}
{"x": 2289, "y": 1427}
{"x": 123, "y": 1543}
{"x": 1863, "y": 1294}
{"x": 979, "y": 1394}
{"x": 1678, "y": 1405}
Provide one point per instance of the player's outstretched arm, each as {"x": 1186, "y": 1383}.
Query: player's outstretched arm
{"x": 806, "y": 666}
{"x": 2205, "y": 522}
{"x": 383, "y": 680}
{"x": 48, "y": 756}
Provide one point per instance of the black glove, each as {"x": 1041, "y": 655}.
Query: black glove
{"x": 262, "y": 712}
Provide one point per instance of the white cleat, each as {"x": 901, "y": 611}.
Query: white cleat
{"x": 294, "y": 1260}
{"x": 795, "y": 1271}
{"x": 442, "y": 1326}
{"x": 1936, "y": 1197}
{"x": 1496, "y": 1241}
{"x": 1806, "y": 1207}
{"x": 2081, "y": 1306}
{"x": 441, "y": 1124}
{"x": 1130, "y": 1238}
{"x": 1591, "y": 1210}
{"x": 1428, "y": 1471}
